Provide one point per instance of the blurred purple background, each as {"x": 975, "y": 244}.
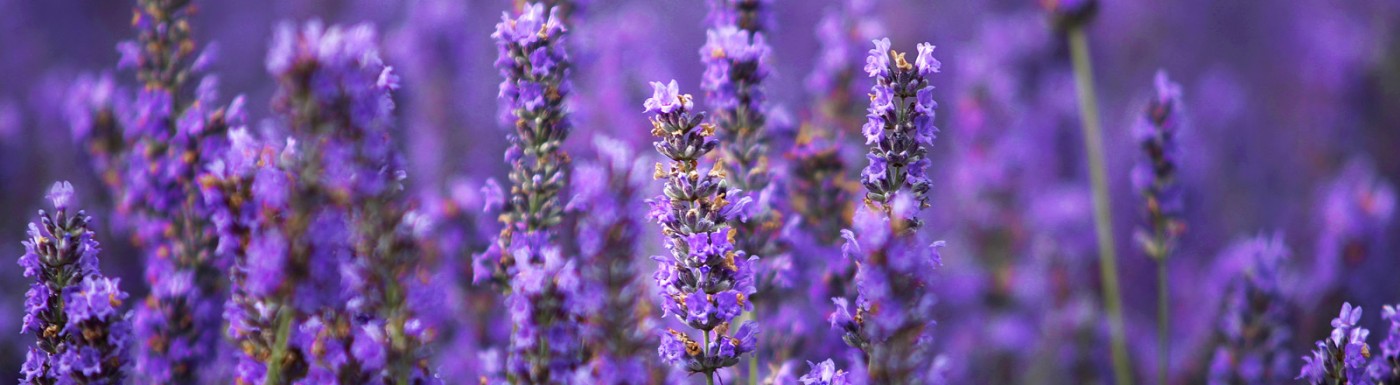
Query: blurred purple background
{"x": 1281, "y": 98}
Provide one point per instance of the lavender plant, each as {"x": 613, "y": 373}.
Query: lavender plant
{"x": 543, "y": 280}
{"x": 75, "y": 311}
{"x": 706, "y": 281}
{"x": 1154, "y": 176}
{"x": 736, "y": 64}
{"x": 151, "y": 149}
{"x": 320, "y": 297}
{"x": 891, "y": 325}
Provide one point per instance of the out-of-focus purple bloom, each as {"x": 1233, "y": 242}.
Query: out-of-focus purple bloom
{"x": 1254, "y": 324}
{"x": 83, "y": 335}
{"x": 749, "y": 15}
{"x": 151, "y": 148}
{"x": 1155, "y": 174}
{"x": 607, "y": 200}
{"x": 1356, "y": 210}
{"x": 331, "y": 203}
{"x": 1065, "y": 14}
{"x": 696, "y": 212}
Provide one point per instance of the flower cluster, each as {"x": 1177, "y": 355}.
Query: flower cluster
{"x": 1342, "y": 357}
{"x": 149, "y": 149}
{"x": 1154, "y": 176}
{"x": 736, "y": 64}
{"x": 891, "y": 325}
{"x": 826, "y": 373}
{"x": 899, "y": 126}
{"x": 1254, "y": 323}
{"x": 83, "y": 335}
{"x": 706, "y": 281}
{"x": 543, "y": 278}
{"x": 318, "y": 289}
{"x": 532, "y": 59}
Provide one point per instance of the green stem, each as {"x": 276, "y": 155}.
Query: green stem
{"x": 1163, "y": 322}
{"x": 1103, "y": 219}
{"x": 279, "y": 350}
{"x": 710, "y": 375}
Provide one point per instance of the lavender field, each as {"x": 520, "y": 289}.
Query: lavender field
{"x": 776, "y": 192}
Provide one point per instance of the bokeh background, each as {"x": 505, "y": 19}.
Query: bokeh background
{"x": 1293, "y": 130}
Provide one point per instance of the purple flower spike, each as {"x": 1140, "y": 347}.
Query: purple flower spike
{"x": 82, "y": 333}
{"x": 890, "y": 324}
{"x": 1155, "y": 174}
{"x": 535, "y": 66}
{"x": 316, "y": 222}
{"x": 900, "y": 126}
{"x": 706, "y": 280}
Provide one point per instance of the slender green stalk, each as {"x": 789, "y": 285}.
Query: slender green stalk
{"x": 1163, "y": 323}
{"x": 279, "y": 350}
{"x": 1103, "y": 218}
{"x": 710, "y": 375}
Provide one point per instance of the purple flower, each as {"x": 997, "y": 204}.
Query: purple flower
{"x": 826, "y": 373}
{"x": 75, "y": 312}
{"x": 695, "y": 212}
{"x": 666, "y": 98}
{"x": 891, "y": 323}
{"x": 1342, "y": 357}
{"x": 894, "y": 124}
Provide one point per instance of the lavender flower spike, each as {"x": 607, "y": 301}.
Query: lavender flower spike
{"x": 318, "y": 292}
{"x": 706, "y": 280}
{"x": 891, "y": 322}
{"x": 899, "y": 126}
{"x": 1154, "y": 176}
{"x": 543, "y": 298}
{"x": 83, "y": 335}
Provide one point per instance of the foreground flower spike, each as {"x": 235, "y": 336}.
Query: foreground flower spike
{"x": 1342, "y": 357}
{"x": 318, "y": 292}
{"x": 1154, "y": 176}
{"x": 543, "y": 279}
{"x": 150, "y": 149}
{"x": 83, "y": 335}
{"x": 891, "y": 324}
{"x": 899, "y": 126}
{"x": 706, "y": 281}
{"x": 1254, "y": 324}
